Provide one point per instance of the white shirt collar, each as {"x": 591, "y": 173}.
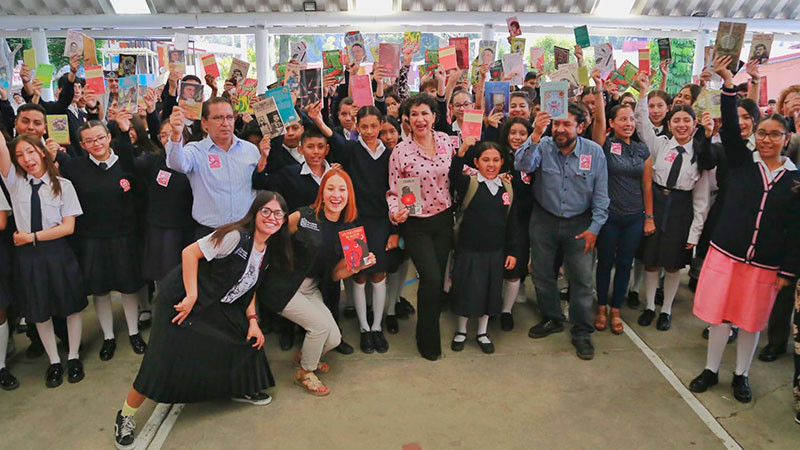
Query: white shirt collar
{"x": 306, "y": 170}
{"x": 751, "y": 143}
{"x": 771, "y": 174}
{"x": 493, "y": 185}
{"x": 295, "y": 153}
{"x": 112, "y": 159}
{"x": 378, "y": 151}
{"x": 45, "y": 179}
{"x": 455, "y": 127}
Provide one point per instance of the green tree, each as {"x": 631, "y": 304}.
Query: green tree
{"x": 55, "y": 50}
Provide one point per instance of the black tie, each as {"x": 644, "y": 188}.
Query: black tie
{"x": 675, "y": 170}
{"x": 103, "y": 165}
{"x": 36, "y": 208}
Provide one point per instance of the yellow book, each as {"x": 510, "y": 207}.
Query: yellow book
{"x": 57, "y": 128}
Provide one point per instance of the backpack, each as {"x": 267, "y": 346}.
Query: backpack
{"x": 471, "y": 190}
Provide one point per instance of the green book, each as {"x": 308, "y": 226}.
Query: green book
{"x": 44, "y": 73}
{"x": 582, "y": 36}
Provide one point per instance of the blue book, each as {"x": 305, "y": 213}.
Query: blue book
{"x": 497, "y": 96}
{"x": 283, "y": 100}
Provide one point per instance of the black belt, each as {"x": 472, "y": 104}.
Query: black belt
{"x": 667, "y": 191}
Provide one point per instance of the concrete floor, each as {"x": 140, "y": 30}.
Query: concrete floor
{"x": 529, "y": 394}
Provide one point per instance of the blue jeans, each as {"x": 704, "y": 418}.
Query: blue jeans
{"x": 616, "y": 246}
{"x": 548, "y": 234}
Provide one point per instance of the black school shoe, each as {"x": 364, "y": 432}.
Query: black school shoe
{"x": 286, "y": 340}
{"x": 664, "y": 322}
{"x": 349, "y": 312}
{"x": 124, "y": 427}
{"x": 344, "y": 348}
{"x": 391, "y": 324}
{"x": 138, "y": 344}
{"x": 487, "y": 348}
{"x": 145, "y": 319}
{"x": 583, "y": 347}
{"x": 741, "y": 388}
{"x": 379, "y": 342}
{"x": 404, "y": 308}
{"x": 545, "y": 328}
{"x": 646, "y": 318}
{"x": 506, "y": 321}
{"x": 54, "y": 375}
{"x": 705, "y": 380}
{"x": 256, "y": 398}
{"x": 633, "y": 300}
{"x": 108, "y": 349}
{"x": 8, "y": 382}
{"x": 457, "y": 346}
{"x": 75, "y": 370}
{"x": 367, "y": 344}
{"x": 771, "y": 352}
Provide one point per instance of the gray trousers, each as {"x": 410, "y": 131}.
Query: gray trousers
{"x": 308, "y": 310}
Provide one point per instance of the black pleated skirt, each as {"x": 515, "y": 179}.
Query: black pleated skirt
{"x": 110, "y": 264}
{"x": 48, "y": 281}
{"x": 377, "y": 230}
{"x": 205, "y": 358}
{"x": 674, "y": 214}
{"x": 477, "y": 283}
{"x": 6, "y": 300}
{"x": 162, "y": 250}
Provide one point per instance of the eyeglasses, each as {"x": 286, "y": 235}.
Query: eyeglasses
{"x": 90, "y": 142}
{"x": 229, "y": 118}
{"x": 773, "y": 135}
{"x": 267, "y": 213}
{"x": 462, "y": 105}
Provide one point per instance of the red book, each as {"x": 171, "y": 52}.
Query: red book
{"x": 472, "y": 124}
{"x": 210, "y": 65}
{"x": 644, "y": 60}
{"x": 447, "y": 57}
{"x": 354, "y": 246}
{"x": 94, "y": 79}
{"x": 389, "y": 56}
{"x": 361, "y": 90}
{"x": 462, "y": 51}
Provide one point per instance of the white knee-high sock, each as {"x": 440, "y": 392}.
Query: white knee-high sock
{"x": 378, "y": 302}
{"x": 462, "y": 328}
{"x": 74, "y": 332}
{"x": 638, "y": 275}
{"x": 671, "y": 283}
{"x": 483, "y": 325}
{"x": 130, "y": 304}
{"x": 717, "y": 340}
{"x": 48, "y": 337}
{"x": 102, "y": 305}
{"x": 3, "y": 343}
{"x": 510, "y": 291}
{"x": 360, "y": 302}
{"x": 745, "y": 349}
{"x": 650, "y": 286}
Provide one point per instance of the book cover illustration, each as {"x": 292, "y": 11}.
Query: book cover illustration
{"x": 411, "y": 42}
{"x": 238, "y": 72}
{"x": 355, "y": 248}
{"x": 332, "y": 64}
{"x": 292, "y": 76}
{"x": 496, "y": 70}
{"x": 462, "y": 51}
{"x": 94, "y": 79}
{"x": 268, "y": 117}
{"x": 299, "y": 52}
{"x": 497, "y": 96}
{"x": 310, "y": 86}
{"x": 761, "y": 47}
{"x": 210, "y": 65}
{"x": 246, "y": 93}
{"x": 472, "y": 124}
{"x": 604, "y": 57}
{"x": 177, "y": 60}
{"x": 555, "y": 98}
{"x": 431, "y": 60}
{"x": 128, "y": 94}
{"x": 514, "y": 67}
{"x": 127, "y": 65}
{"x": 513, "y": 26}
{"x": 537, "y": 57}
{"x": 664, "y": 49}
{"x": 410, "y": 191}
{"x": 582, "y": 36}
{"x": 389, "y": 59}
{"x": 74, "y": 43}
{"x": 518, "y": 45}
{"x": 57, "y": 128}
{"x": 560, "y": 55}
{"x": 644, "y": 61}
{"x": 283, "y": 100}
{"x": 190, "y": 98}
{"x": 361, "y": 90}
{"x": 730, "y": 38}
{"x": 487, "y": 51}
{"x": 355, "y": 47}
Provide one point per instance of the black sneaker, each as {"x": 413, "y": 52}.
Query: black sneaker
{"x": 54, "y": 375}
{"x": 367, "y": 345}
{"x": 633, "y": 300}
{"x": 35, "y": 350}
{"x": 344, "y": 348}
{"x": 646, "y": 318}
{"x": 705, "y": 380}
{"x": 75, "y": 370}
{"x": 108, "y": 349}
{"x": 741, "y": 388}
{"x": 664, "y": 322}
{"x": 145, "y": 319}
{"x": 379, "y": 341}
{"x": 506, "y": 321}
{"x": 124, "y": 427}
{"x": 583, "y": 347}
{"x": 138, "y": 344}
{"x": 545, "y": 328}
{"x": 286, "y": 340}
{"x": 8, "y": 382}
{"x": 391, "y": 324}
{"x": 256, "y": 398}
{"x": 349, "y": 312}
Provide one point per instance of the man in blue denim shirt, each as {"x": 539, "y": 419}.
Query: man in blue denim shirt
{"x": 220, "y": 167}
{"x": 571, "y": 192}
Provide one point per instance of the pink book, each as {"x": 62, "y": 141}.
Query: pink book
{"x": 390, "y": 59}
{"x": 447, "y": 57}
{"x": 210, "y": 65}
{"x": 472, "y": 124}
{"x": 361, "y": 90}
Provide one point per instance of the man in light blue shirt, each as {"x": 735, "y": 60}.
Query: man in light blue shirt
{"x": 571, "y": 192}
{"x": 219, "y": 168}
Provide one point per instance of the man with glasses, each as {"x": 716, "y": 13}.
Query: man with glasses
{"x": 219, "y": 167}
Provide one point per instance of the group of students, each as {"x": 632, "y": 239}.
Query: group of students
{"x": 240, "y": 232}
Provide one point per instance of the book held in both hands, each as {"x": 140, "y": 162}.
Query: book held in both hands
{"x": 355, "y": 248}
{"x": 410, "y": 190}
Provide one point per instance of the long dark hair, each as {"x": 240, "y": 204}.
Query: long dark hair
{"x": 279, "y": 250}
{"x": 49, "y": 165}
{"x": 143, "y": 143}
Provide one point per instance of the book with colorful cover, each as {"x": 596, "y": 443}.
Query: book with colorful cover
{"x": 497, "y": 96}
{"x": 44, "y": 73}
{"x": 708, "y": 56}
{"x": 280, "y": 70}
{"x": 518, "y": 45}
{"x": 356, "y": 51}
{"x": 761, "y": 47}
{"x": 389, "y": 59}
{"x": 57, "y": 128}
{"x": 487, "y": 51}
{"x": 283, "y": 100}
{"x": 475, "y": 71}
{"x": 561, "y": 55}
{"x": 89, "y": 51}
{"x": 355, "y": 248}
{"x": 29, "y": 58}
{"x": 239, "y": 69}
{"x": 128, "y": 94}
{"x": 268, "y": 117}
{"x": 729, "y": 42}
{"x": 462, "y": 51}
{"x": 210, "y": 65}
{"x": 246, "y": 91}
{"x": 292, "y": 76}
{"x": 5, "y": 80}
{"x": 496, "y": 70}
{"x": 177, "y": 60}
{"x": 617, "y": 78}
{"x": 582, "y": 36}
{"x": 431, "y": 60}
{"x": 310, "y": 87}
{"x": 644, "y": 60}
{"x": 513, "y": 26}
{"x": 411, "y": 42}
{"x": 141, "y": 91}
{"x": 629, "y": 71}
{"x": 361, "y": 90}
{"x": 555, "y": 98}
{"x": 127, "y": 65}
{"x": 472, "y": 124}
{"x": 664, "y": 49}
{"x": 190, "y": 98}
{"x": 410, "y": 192}
{"x": 74, "y": 43}
{"x": 94, "y": 79}
{"x": 604, "y": 57}
{"x": 332, "y": 64}
{"x": 447, "y": 57}
{"x": 537, "y": 58}
{"x": 299, "y": 52}
{"x": 512, "y": 64}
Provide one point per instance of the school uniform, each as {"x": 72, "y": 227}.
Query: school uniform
{"x": 107, "y": 246}
{"x": 523, "y": 201}
{"x": 680, "y": 196}
{"x": 756, "y": 239}
{"x": 46, "y": 275}
{"x": 207, "y": 356}
{"x": 6, "y": 300}
{"x": 168, "y": 217}
{"x": 297, "y": 184}
{"x": 281, "y": 155}
{"x": 487, "y": 233}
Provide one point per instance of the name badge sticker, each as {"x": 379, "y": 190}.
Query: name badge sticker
{"x": 214, "y": 162}
{"x": 670, "y": 156}
{"x": 616, "y": 148}
{"x": 506, "y": 199}
{"x": 586, "y": 162}
{"x": 163, "y": 178}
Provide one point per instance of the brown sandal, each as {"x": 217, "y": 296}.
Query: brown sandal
{"x": 312, "y": 385}
{"x": 322, "y": 367}
{"x": 601, "y": 318}
{"x": 616, "y": 322}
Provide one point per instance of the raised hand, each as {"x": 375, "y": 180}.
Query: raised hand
{"x": 720, "y": 67}
{"x": 176, "y": 124}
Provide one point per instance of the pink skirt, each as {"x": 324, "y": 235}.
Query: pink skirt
{"x": 735, "y": 292}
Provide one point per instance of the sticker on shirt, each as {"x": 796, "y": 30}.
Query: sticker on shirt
{"x": 525, "y": 177}
{"x": 214, "y": 162}
{"x": 506, "y": 199}
{"x": 125, "y": 185}
{"x": 163, "y": 178}
{"x": 670, "y": 156}
{"x": 586, "y": 162}
{"x": 616, "y": 148}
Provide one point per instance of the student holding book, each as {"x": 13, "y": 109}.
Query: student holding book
{"x": 8, "y": 381}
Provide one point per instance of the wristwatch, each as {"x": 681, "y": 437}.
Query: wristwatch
{"x": 649, "y": 216}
